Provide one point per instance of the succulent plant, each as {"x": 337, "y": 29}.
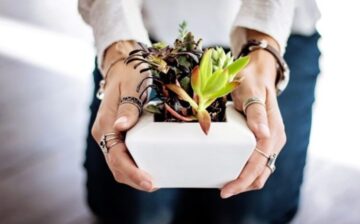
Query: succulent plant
{"x": 191, "y": 84}
{"x": 209, "y": 85}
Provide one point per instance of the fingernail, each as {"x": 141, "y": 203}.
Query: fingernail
{"x": 226, "y": 195}
{"x": 264, "y": 129}
{"x": 122, "y": 120}
{"x": 146, "y": 185}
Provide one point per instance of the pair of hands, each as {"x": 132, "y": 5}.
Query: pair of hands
{"x": 264, "y": 121}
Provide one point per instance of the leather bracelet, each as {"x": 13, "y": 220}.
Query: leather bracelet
{"x": 282, "y": 78}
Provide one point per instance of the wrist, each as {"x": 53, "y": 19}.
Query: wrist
{"x": 116, "y": 52}
{"x": 267, "y": 46}
{"x": 256, "y": 35}
{"x": 264, "y": 66}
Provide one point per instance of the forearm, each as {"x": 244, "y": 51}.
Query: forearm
{"x": 262, "y": 64}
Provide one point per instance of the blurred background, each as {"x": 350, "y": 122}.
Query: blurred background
{"x": 46, "y": 59}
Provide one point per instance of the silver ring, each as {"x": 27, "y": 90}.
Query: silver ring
{"x": 106, "y": 138}
{"x": 134, "y": 101}
{"x": 271, "y": 159}
{"x": 250, "y": 101}
{"x": 271, "y": 162}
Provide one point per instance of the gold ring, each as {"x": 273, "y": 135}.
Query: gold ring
{"x": 250, "y": 101}
{"x": 262, "y": 153}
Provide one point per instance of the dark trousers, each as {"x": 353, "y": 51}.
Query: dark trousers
{"x": 277, "y": 202}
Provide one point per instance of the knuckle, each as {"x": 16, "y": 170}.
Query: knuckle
{"x": 255, "y": 111}
{"x": 259, "y": 169}
{"x": 238, "y": 182}
{"x": 283, "y": 138}
{"x": 95, "y": 131}
{"x": 119, "y": 177}
{"x": 258, "y": 184}
{"x": 281, "y": 135}
{"x": 128, "y": 110}
{"x": 237, "y": 106}
{"x": 111, "y": 160}
{"x": 102, "y": 120}
{"x": 134, "y": 177}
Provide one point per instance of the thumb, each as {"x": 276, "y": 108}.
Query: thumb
{"x": 128, "y": 113}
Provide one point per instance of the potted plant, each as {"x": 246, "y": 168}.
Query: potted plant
{"x": 190, "y": 85}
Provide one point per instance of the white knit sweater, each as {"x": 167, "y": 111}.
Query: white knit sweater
{"x": 213, "y": 20}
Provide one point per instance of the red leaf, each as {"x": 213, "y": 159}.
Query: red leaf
{"x": 182, "y": 94}
{"x": 204, "y": 120}
{"x": 195, "y": 80}
{"x": 177, "y": 115}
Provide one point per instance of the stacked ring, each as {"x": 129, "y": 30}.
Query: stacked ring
{"x": 250, "y": 101}
{"x": 106, "y": 139}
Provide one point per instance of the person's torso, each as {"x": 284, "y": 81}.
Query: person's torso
{"x": 212, "y": 19}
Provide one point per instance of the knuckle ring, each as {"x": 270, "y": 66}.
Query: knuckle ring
{"x": 105, "y": 140}
{"x": 134, "y": 101}
{"x": 250, "y": 101}
{"x": 271, "y": 159}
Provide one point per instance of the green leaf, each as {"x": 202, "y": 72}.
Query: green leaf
{"x": 209, "y": 102}
{"x": 151, "y": 108}
{"x": 217, "y": 81}
{"x": 183, "y": 29}
{"x": 205, "y": 67}
{"x": 225, "y": 90}
{"x": 229, "y": 60}
{"x": 237, "y": 65}
{"x": 182, "y": 95}
{"x": 159, "y": 45}
{"x": 185, "y": 83}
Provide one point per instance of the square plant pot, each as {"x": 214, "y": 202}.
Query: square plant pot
{"x": 180, "y": 155}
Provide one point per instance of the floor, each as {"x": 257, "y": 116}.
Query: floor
{"x": 43, "y": 115}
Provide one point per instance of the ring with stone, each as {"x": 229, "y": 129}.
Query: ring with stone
{"x": 271, "y": 159}
{"x": 106, "y": 139}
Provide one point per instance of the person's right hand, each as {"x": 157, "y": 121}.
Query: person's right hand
{"x": 122, "y": 81}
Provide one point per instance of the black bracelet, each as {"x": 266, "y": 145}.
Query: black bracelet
{"x": 282, "y": 78}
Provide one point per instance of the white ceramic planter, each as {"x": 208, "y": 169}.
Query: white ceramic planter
{"x": 180, "y": 155}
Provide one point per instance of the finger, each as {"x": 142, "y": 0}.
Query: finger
{"x": 127, "y": 113}
{"x": 106, "y": 114}
{"x": 257, "y": 121}
{"x": 260, "y": 181}
{"x": 125, "y": 170}
{"x": 276, "y": 123}
{"x": 119, "y": 161}
{"x": 253, "y": 169}
{"x": 127, "y": 116}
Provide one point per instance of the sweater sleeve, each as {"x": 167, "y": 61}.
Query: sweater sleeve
{"x": 272, "y": 17}
{"x": 112, "y": 21}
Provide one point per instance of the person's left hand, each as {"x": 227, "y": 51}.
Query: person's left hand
{"x": 264, "y": 121}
